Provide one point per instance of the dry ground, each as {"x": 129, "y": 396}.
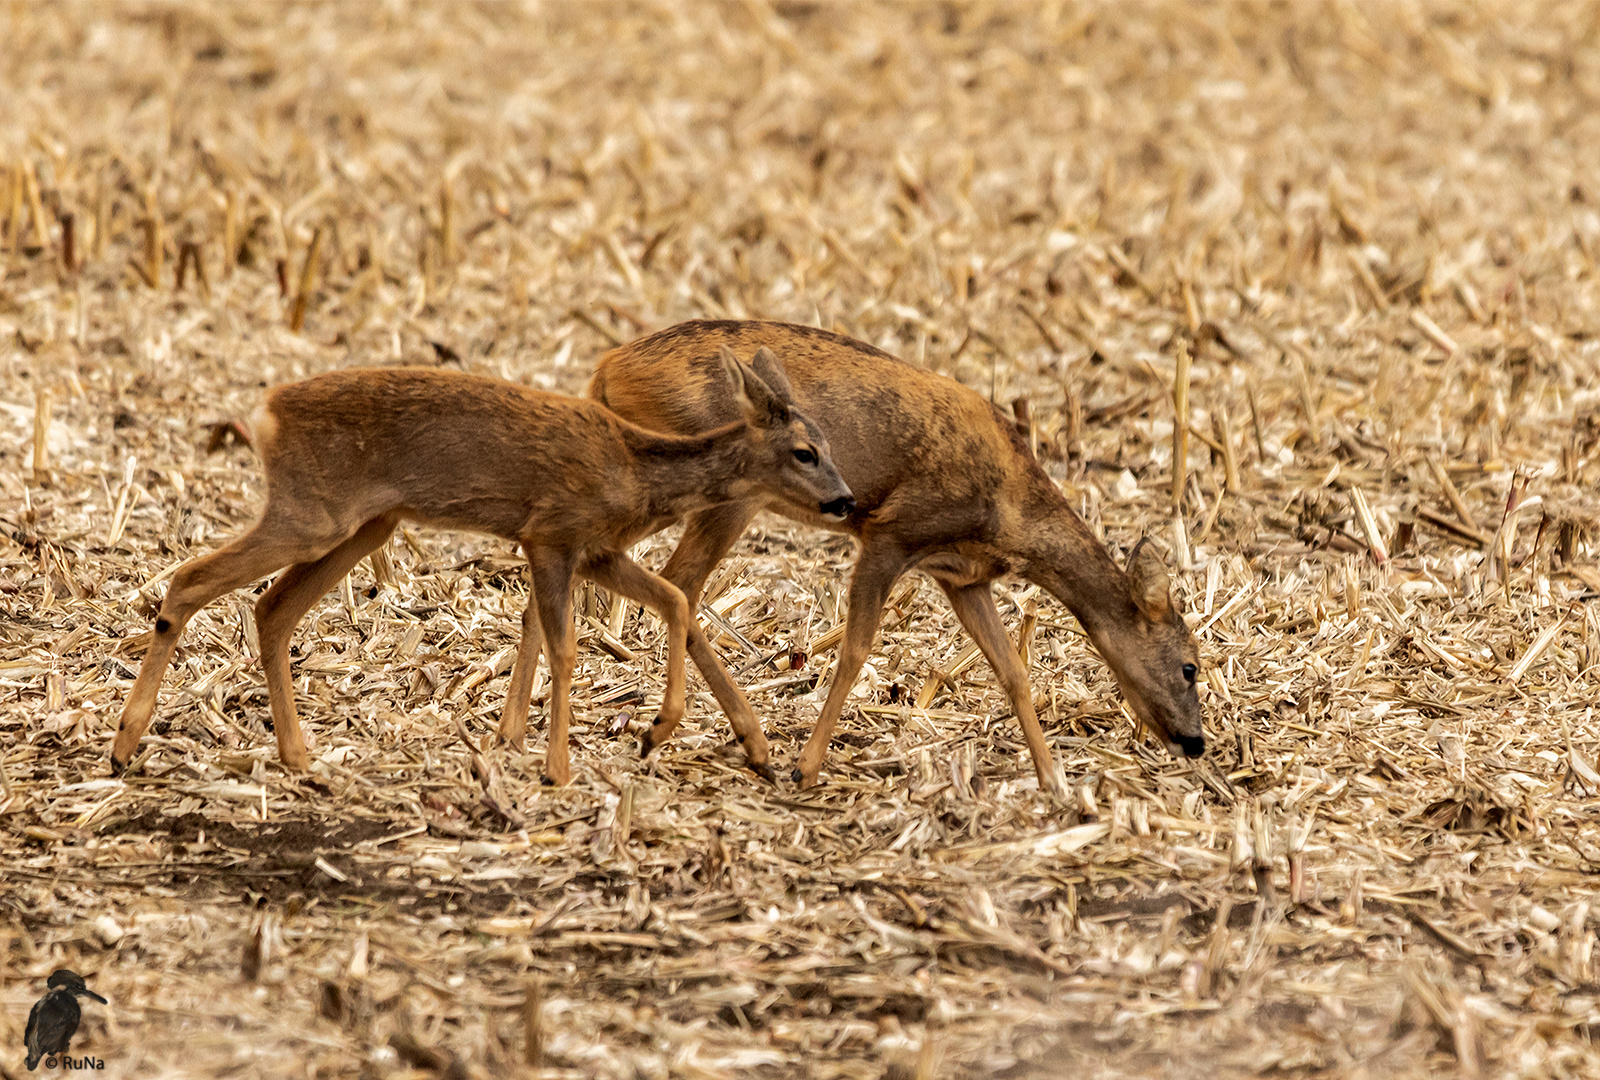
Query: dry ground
{"x": 1375, "y": 228}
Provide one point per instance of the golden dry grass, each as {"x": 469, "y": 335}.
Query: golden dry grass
{"x": 1376, "y": 228}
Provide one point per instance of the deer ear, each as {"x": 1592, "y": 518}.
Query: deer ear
{"x": 756, "y": 399}
{"x": 1148, "y": 582}
{"x": 764, "y": 364}
{"x": 734, "y": 372}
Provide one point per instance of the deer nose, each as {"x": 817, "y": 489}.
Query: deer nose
{"x": 1193, "y": 745}
{"x": 838, "y": 509}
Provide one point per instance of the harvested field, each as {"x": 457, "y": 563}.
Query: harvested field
{"x": 1373, "y": 231}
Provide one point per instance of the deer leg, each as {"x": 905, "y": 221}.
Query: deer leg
{"x": 875, "y": 572}
{"x": 198, "y": 582}
{"x": 622, "y": 575}
{"x": 551, "y": 576}
{"x": 282, "y": 607}
{"x": 519, "y": 692}
{"x": 974, "y": 606}
{"x": 707, "y": 536}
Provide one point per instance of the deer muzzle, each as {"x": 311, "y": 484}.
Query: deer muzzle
{"x": 837, "y": 509}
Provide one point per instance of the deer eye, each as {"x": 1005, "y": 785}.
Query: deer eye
{"x": 805, "y": 457}
{"x": 1189, "y": 672}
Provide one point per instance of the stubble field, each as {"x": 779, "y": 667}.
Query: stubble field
{"x": 1373, "y": 228}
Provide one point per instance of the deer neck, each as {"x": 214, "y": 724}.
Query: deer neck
{"x": 684, "y": 473}
{"x": 1062, "y": 556}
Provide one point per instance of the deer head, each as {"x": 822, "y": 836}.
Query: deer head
{"x": 1154, "y": 656}
{"x": 784, "y": 441}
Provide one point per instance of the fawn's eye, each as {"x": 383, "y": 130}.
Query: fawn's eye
{"x": 805, "y": 457}
{"x": 1190, "y": 671}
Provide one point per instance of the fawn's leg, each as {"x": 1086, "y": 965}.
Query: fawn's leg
{"x": 281, "y": 608}
{"x": 198, "y": 582}
{"x": 622, "y": 575}
{"x": 519, "y": 691}
{"x": 974, "y": 606}
{"x": 707, "y": 536}
{"x": 551, "y": 577}
{"x": 875, "y": 572}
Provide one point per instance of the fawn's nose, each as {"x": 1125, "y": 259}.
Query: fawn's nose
{"x": 1192, "y": 745}
{"x": 838, "y": 509}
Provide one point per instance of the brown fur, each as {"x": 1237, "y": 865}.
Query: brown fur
{"x": 351, "y": 454}
{"x": 943, "y": 482}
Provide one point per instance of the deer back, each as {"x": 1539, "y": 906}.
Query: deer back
{"x": 452, "y": 449}
{"x": 950, "y": 458}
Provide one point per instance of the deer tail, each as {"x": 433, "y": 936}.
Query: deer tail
{"x": 228, "y": 432}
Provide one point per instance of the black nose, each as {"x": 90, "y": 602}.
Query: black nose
{"x": 840, "y": 507}
{"x": 1193, "y": 745}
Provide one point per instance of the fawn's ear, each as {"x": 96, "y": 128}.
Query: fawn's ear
{"x": 759, "y": 403}
{"x": 1148, "y": 582}
{"x": 764, "y": 364}
{"x": 734, "y": 371}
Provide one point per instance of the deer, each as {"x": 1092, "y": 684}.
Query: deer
{"x": 943, "y": 483}
{"x": 349, "y": 455}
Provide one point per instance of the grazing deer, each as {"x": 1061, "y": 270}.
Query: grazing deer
{"x": 942, "y": 483}
{"x": 351, "y": 454}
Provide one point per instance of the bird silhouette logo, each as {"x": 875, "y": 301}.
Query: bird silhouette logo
{"x": 54, "y": 1019}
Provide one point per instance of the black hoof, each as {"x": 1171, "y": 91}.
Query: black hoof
{"x": 646, "y": 744}
{"x": 546, "y": 781}
{"x": 766, "y": 772}
{"x": 797, "y": 776}
{"x": 118, "y": 767}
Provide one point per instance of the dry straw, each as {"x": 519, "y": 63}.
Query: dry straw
{"x": 1370, "y": 230}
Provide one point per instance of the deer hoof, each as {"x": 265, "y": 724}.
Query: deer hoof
{"x": 646, "y": 744}
{"x": 547, "y": 781}
{"x": 765, "y": 771}
{"x": 797, "y": 776}
{"x": 118, "y": 767}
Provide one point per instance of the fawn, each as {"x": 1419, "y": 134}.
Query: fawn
{"x": 351, "y": 454}
{"x": 943, "y": 483}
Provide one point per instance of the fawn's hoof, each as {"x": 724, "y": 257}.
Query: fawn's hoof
{"x": 118, "y": 767}
{"x": 765, "y": 771}
{"x": 799, "y": 777}
{"x": 646, "y": 744}
{"x": 547, "y": 780}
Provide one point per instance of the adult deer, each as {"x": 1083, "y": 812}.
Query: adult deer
{"x": 942, "y": 483}
{"x": 351, "y": 454}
